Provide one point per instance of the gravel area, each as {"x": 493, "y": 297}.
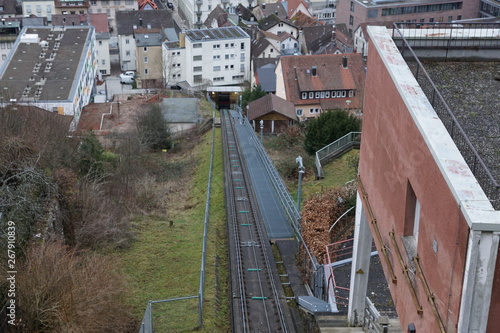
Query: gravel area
{"x": 472, "y": 91}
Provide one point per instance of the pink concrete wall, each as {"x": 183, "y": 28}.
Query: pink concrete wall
{"x": 393, "y": 154}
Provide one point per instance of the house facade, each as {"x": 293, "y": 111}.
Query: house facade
{"x": 56, "y": 81}
{"x": 317, "y": 83}
{"x": 353, "y": 13}
{"x": 217, "y": 57}
{"x": 100, "y": 23}
{"x": 149, "y": 58}
{"x": 433, "y": 224}
{"x": 40, "y": 8}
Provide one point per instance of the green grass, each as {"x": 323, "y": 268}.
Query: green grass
{"x": 336, "y": 174}
{"x": 164, "y": 260}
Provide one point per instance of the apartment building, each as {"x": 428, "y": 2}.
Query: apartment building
{"x": 354, "y": 12}
{"x": 53, "y": 68}
{"x": 208, "y": 57}
{"x": 40, "y": 8}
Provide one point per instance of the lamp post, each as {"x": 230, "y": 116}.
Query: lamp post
{"x": 302, "y": 170}
{"x": 261, "y": 130}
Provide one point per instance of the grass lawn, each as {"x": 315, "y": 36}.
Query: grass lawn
{"x": 164, "y": 260}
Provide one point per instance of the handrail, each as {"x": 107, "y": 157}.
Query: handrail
{"x": 488, "y": 183}
{"x": 347, "y": 141}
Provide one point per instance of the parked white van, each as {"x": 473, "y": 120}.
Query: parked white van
{"x": 126, "y": 79}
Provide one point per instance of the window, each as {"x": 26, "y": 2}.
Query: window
{"x": 220, "y": 78}
{"x": 431, "y": 19}
{"x": 351, "y": 20}
{"x": 351, "y": 93}
{"x": 316, "y": 95}
{"x": 145, "y": 60}
{"x": 100, "y": 43}
{"x": 450, "y": 18}
{"x": 127, "y": 41}
{"x": 299, "y": 112}
{"x": 197, "y": 58}
{"x": 117, "y": 2}
{"x": 226, "y": 57}
{"x": 216, "y": 46}
{"x": 216, "y": 57}
{"x": 127, "y": 53}
{"x": 242, "y": 68}
{"x": 209, "y": 7}
{"x": 49, "y": 9}
{"x": 197, "y": 69}
{"x": 322, "y": 94}
{"x": 352, "y": 6}
{"x": 216, "y": 68}
{"x": 242, "y": 56}
{"x": 237, "y": 77}
{"x": 4, "y": 56}
{"x": 145, "y": 49}
{"x": 103, "y": 62}
{"x": 197, "y": 78}
{"x": 38, "y": 8}
{"x": 311, "y": 95}
{"x": 197, "y": 46}
{"x": 28, "y": 8}
{"x": 227, "y": 45}
{"x": 327, "y": 94}
{"x": 412, "y": 221}
{"x": 343, "y": 93}
{"x": 242, "y": 46}
{"x": 105, "y": 3}
{"x": 129, "y": 2}
{"x": 146, "y": 71}
{"x": 304, "y": 95}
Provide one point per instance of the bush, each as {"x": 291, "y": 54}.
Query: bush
{"x": 61, "y": 290}
{"x": 153, "y": 129}
{"x": 328, "y": 127}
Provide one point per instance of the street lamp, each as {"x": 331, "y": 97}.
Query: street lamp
{"x": 302, "y": 170}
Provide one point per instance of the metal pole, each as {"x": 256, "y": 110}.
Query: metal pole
{"x": 302, "y": 170}
{"x": 261, "y": 130}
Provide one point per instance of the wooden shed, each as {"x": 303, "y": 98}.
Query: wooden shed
{"x": 276, "y": 113}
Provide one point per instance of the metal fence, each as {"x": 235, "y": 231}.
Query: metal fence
{"x": 147, "y": 322}
{"x": 489, "y": 184}
{"x": 348, "y": 141}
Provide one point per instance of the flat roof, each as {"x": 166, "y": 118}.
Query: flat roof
{"x": 203, "y": 35}
{"x": 44, "y": 64}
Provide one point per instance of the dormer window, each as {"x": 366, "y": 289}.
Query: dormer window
{"x": 304, "y": 95}
{"x": 311, "y": 95}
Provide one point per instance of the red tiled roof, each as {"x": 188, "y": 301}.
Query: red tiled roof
{"x": 100, "y": 22}
{"x": 330, "y": 75}
{"x": 270, "y": 103}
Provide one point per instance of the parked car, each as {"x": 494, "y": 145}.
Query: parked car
{"x": 129, "y": 73}
{"x": 170, "y": 5}
{"x": 126, "y": 79}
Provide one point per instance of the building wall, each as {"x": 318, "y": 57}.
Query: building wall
{"x": 362, "y": 13}
{"x": 127, "y": 47}
{"x": 39, "y": 8}
{"x": 152, "y": 69}
{"x": 394, "y": 158}
{"x": 103, "y": 58}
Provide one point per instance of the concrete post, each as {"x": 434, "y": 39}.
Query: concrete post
{"x": 478, "y": 281}
{"x": 360, "y": 266}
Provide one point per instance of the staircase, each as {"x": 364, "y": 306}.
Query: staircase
{"x": 335, "y": 150}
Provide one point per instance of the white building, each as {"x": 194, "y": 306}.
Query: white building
{"x": 38, "y": 73}
{"x": 196, "y": 12}
{"x": 40, "y": 8}
{"x": 216, "y": 57}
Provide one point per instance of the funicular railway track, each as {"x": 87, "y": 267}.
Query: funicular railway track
{"x": 255, "y": 291}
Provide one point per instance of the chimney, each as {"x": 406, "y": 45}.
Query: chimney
{"x": 264, "y": 5}
{"x": 344, "y": 62}
{"x": 140, "y": 22}
{"x": 314, "y": 70}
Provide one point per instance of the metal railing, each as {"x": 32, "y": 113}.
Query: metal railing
{"x": 342, "y": 145}
{"x": 489, "y": 184}
{"x": 448, "y": 35}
